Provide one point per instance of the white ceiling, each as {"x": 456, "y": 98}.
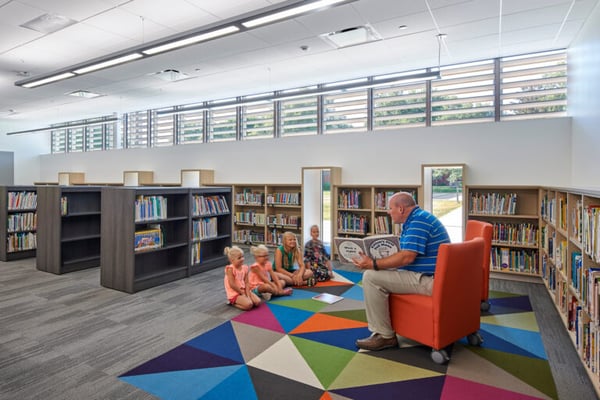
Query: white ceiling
{"x": 263, "y": 59}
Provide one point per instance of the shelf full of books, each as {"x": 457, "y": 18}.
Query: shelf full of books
{"x": 211, "y": 228}
{"x": 262, "y": 213}
{"x": 514, "y": 213}
{"x": 18, "y": 218}
{"x": 157, "y": 235}
{"x": 361, "y": 210}
{"x": 570, "y": 230}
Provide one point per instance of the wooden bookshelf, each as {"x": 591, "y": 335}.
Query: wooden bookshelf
{"x": 262, "y": 213}
{"x": 361, "y": 210}
{"x": 283, "y": 211}
{"x": 514, "y": 213}
{"x": 68, "y": 228}
{"x": 126, "y": 269}
{"x": 570, "y": 261}
{"x": 18, "y": 219}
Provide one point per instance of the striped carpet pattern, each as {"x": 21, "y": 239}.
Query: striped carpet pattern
{"x": 297, "y": 348}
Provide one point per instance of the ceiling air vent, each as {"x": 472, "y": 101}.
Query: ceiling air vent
{"x": 351, "y": 36}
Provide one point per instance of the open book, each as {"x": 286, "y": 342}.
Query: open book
{"x": 327, "y": 298}
{"x": 376, "y": 246}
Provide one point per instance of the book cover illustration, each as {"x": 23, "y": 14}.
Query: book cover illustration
{"x": 148, "y": 239}
{"x": 377, "y": 246}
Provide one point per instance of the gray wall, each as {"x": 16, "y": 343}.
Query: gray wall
{"x": 7, "y": 172}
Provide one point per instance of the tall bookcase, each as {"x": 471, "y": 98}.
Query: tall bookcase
{"x": 263, "y": 212}
{"x": 68, "y": 228}
{"x": 361, "y": 210}
{"x": 18, "y": 219}
{"x": 130, "y": 264}
{"x": 514, "y": 213}
{"x": 570, "y": 253}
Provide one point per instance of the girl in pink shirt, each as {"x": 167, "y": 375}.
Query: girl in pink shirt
{"x": 237, "y": 287}
{"x": 263, "y": 281}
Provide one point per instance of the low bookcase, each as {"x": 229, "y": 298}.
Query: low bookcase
{"x": 164, "y": 218}
{"x": 68, "y": 228}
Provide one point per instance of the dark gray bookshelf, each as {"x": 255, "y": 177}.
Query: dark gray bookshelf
{"x": 8, "y": 212}
{"x": 68, "y": 228}
{"x": 125, "y": 269}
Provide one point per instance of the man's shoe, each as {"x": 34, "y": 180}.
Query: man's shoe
{"x": 376, "y": 342}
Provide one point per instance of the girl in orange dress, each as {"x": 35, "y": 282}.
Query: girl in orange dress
{"x": 263, "y": 281}
{"x": 237, "y": 286}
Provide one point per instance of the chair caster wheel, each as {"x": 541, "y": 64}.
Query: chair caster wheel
{"x": 485, "y": 306}
{"x": 475, "y": 339}
{"x": 440, "y": 356}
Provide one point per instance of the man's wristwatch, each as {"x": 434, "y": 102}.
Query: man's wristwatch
{"x": 375, "y": 267}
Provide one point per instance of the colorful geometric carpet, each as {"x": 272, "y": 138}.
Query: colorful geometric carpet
{"x": 298, "y": 348}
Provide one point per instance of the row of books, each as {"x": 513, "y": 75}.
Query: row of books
{"x": 22, "y": 222}
{"x": 248, "y": 236}
{"x": 196, "y": 253}
{"x": 150, "y": 208}
{"x": 21, "y": 241}
{"x": 383, "y": 225}
{"x": 523, "y": 233}
{"x": 248, "y": 197}
{"x": 348, "y": 222}
{"x": 548, "y": 206}
{"x": 349, "y": 199}
{"x": 290, "y": 199}
{"x": 209, "y": 205}
{"x": 250, "y": 218}
{"x": 493, "y": 203}
{"x": 284, "y": 220}
{"x": 515, "y": 260}
{"x": 22, "y": 200}
{"x": 205, "y": 228}
{"x": 382, "y": 199}
{"x": 591, "y": 231}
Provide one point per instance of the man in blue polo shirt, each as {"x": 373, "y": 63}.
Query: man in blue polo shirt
{"x": 410, "y": 270}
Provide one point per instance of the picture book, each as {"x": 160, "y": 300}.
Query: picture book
{"x": 327, "y": 298}
{"x": 376, "y": 246}
{"x": 148, "y": 239}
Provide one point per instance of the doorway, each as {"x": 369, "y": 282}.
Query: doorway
{"x": 443, "y": 188}
{"x": 317, "y": 201}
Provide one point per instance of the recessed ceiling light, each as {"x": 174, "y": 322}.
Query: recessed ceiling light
{"x": 351, "y": 36}
{"x": 84, "y": 93}
{"x": 48, "y": 23}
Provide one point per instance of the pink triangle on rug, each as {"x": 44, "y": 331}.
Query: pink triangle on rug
{"x": 462, "y": 389}
{"x": 261, "y": 317}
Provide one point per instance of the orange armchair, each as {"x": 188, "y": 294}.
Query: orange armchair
{"x": 452, "y": 311}
{"x": 483, "y": 230}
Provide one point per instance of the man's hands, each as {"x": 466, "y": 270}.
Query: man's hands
{"x": 362, "y": 261}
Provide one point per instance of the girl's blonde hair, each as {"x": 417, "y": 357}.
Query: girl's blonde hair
{"x": 258, "y": 250}
{"x": 232, "y": 252}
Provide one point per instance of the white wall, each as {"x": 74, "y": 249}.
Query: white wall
{"x": 27, "y": 149}
{"x": 533, "y": 152}
{"x": 584, "y": 103}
